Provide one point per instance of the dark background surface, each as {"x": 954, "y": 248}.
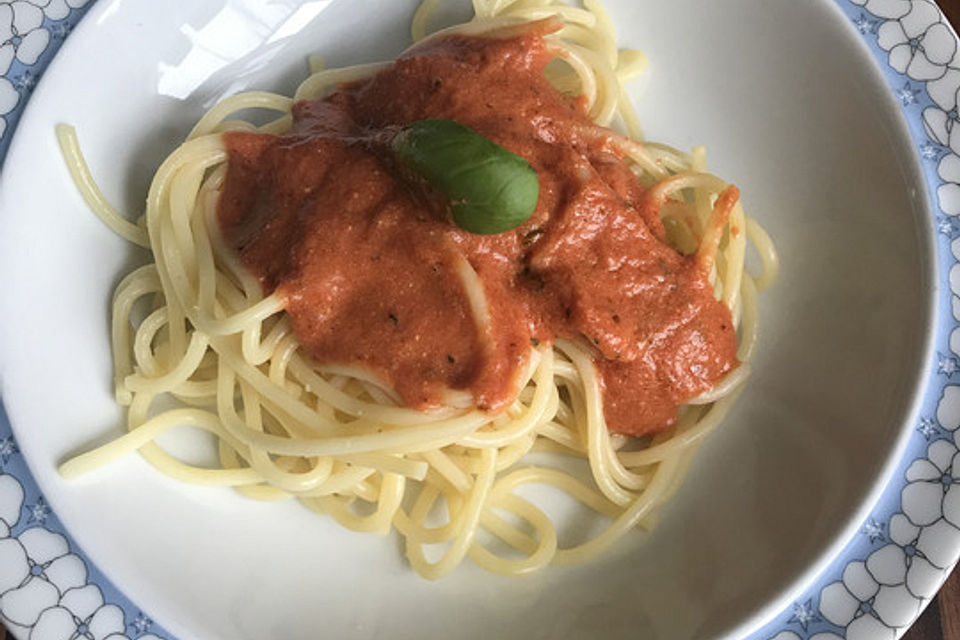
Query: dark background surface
{"x": 941, "y": 620}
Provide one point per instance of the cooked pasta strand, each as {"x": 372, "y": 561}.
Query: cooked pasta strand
{"x": 337, "y": 437}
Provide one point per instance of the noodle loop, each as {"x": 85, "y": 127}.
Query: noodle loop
{"x": 337, "y": 437}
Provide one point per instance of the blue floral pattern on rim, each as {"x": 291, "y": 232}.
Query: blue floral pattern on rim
{"x": 879, "y": 584}
{"x": 48, "y": 589}
{"x": 874, "y": 589}
{"x": 31, "y": 32}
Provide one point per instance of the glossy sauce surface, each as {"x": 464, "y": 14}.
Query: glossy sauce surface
{"x": 367, "y": 260}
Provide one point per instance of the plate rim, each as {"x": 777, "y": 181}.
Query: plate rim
{"x": 891, "y": 542}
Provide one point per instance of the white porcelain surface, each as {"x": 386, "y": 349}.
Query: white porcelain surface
{"x": 792, "y": 108}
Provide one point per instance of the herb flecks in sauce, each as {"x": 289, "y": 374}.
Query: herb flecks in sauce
{"x": 305, "y": 212}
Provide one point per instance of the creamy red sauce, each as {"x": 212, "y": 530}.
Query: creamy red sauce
{"x": 366, "y": 261}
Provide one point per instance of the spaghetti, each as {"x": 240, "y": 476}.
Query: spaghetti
{"x": 339, "y": 439}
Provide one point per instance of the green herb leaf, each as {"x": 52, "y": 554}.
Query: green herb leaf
{"x": 489, "y": 189}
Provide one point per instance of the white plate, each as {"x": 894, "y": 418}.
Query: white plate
{"x": 791, "y": 524}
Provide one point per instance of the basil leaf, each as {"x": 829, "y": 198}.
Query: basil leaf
{"x": 489, "y": 189}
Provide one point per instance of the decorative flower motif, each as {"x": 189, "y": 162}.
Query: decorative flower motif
{"x": 872, "y": 600}
{"x": 890, "y": 9}
{"x": 873, "y": 530}
{"x": 948, "y": 194}
{"x": 141, "y": 624}
{"x": 47, "y": 591}
{"x": 8, "y": 100}
{"x": 24, "y": 38}
{"x": 43, "y": 587}
{"x": 928, "y": 427}
{"x": 38, "y": 570}
{"x": 8, "y": 448}
{"x": 907, "y": 94}
{"x": 865, "y": 25}
{"x": 931, "y": 151}
{"x": 81, "y": 614}
{"x": 804, "y": 614}
{"x": 947, "y": 365}
{"x": 919, "y": 44}
{"x": 932, "y": 492}
{"x": 21, "y": 33}
{"x": 790, "y": 635}
{"x": 61, "y": 30}
{"x": 38, "y": 511}
{"x": 923, "y": 578}
{"x": 11, "y": 503}
{"x": 948, "y": 409}
{"x": 37, "y": 564}
{"x": 58, "y": 9}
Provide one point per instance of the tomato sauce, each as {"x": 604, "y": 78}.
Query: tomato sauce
{"x": 367, "y": 262}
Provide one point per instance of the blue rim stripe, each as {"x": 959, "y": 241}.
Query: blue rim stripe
{"x": 803, "y": 619}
